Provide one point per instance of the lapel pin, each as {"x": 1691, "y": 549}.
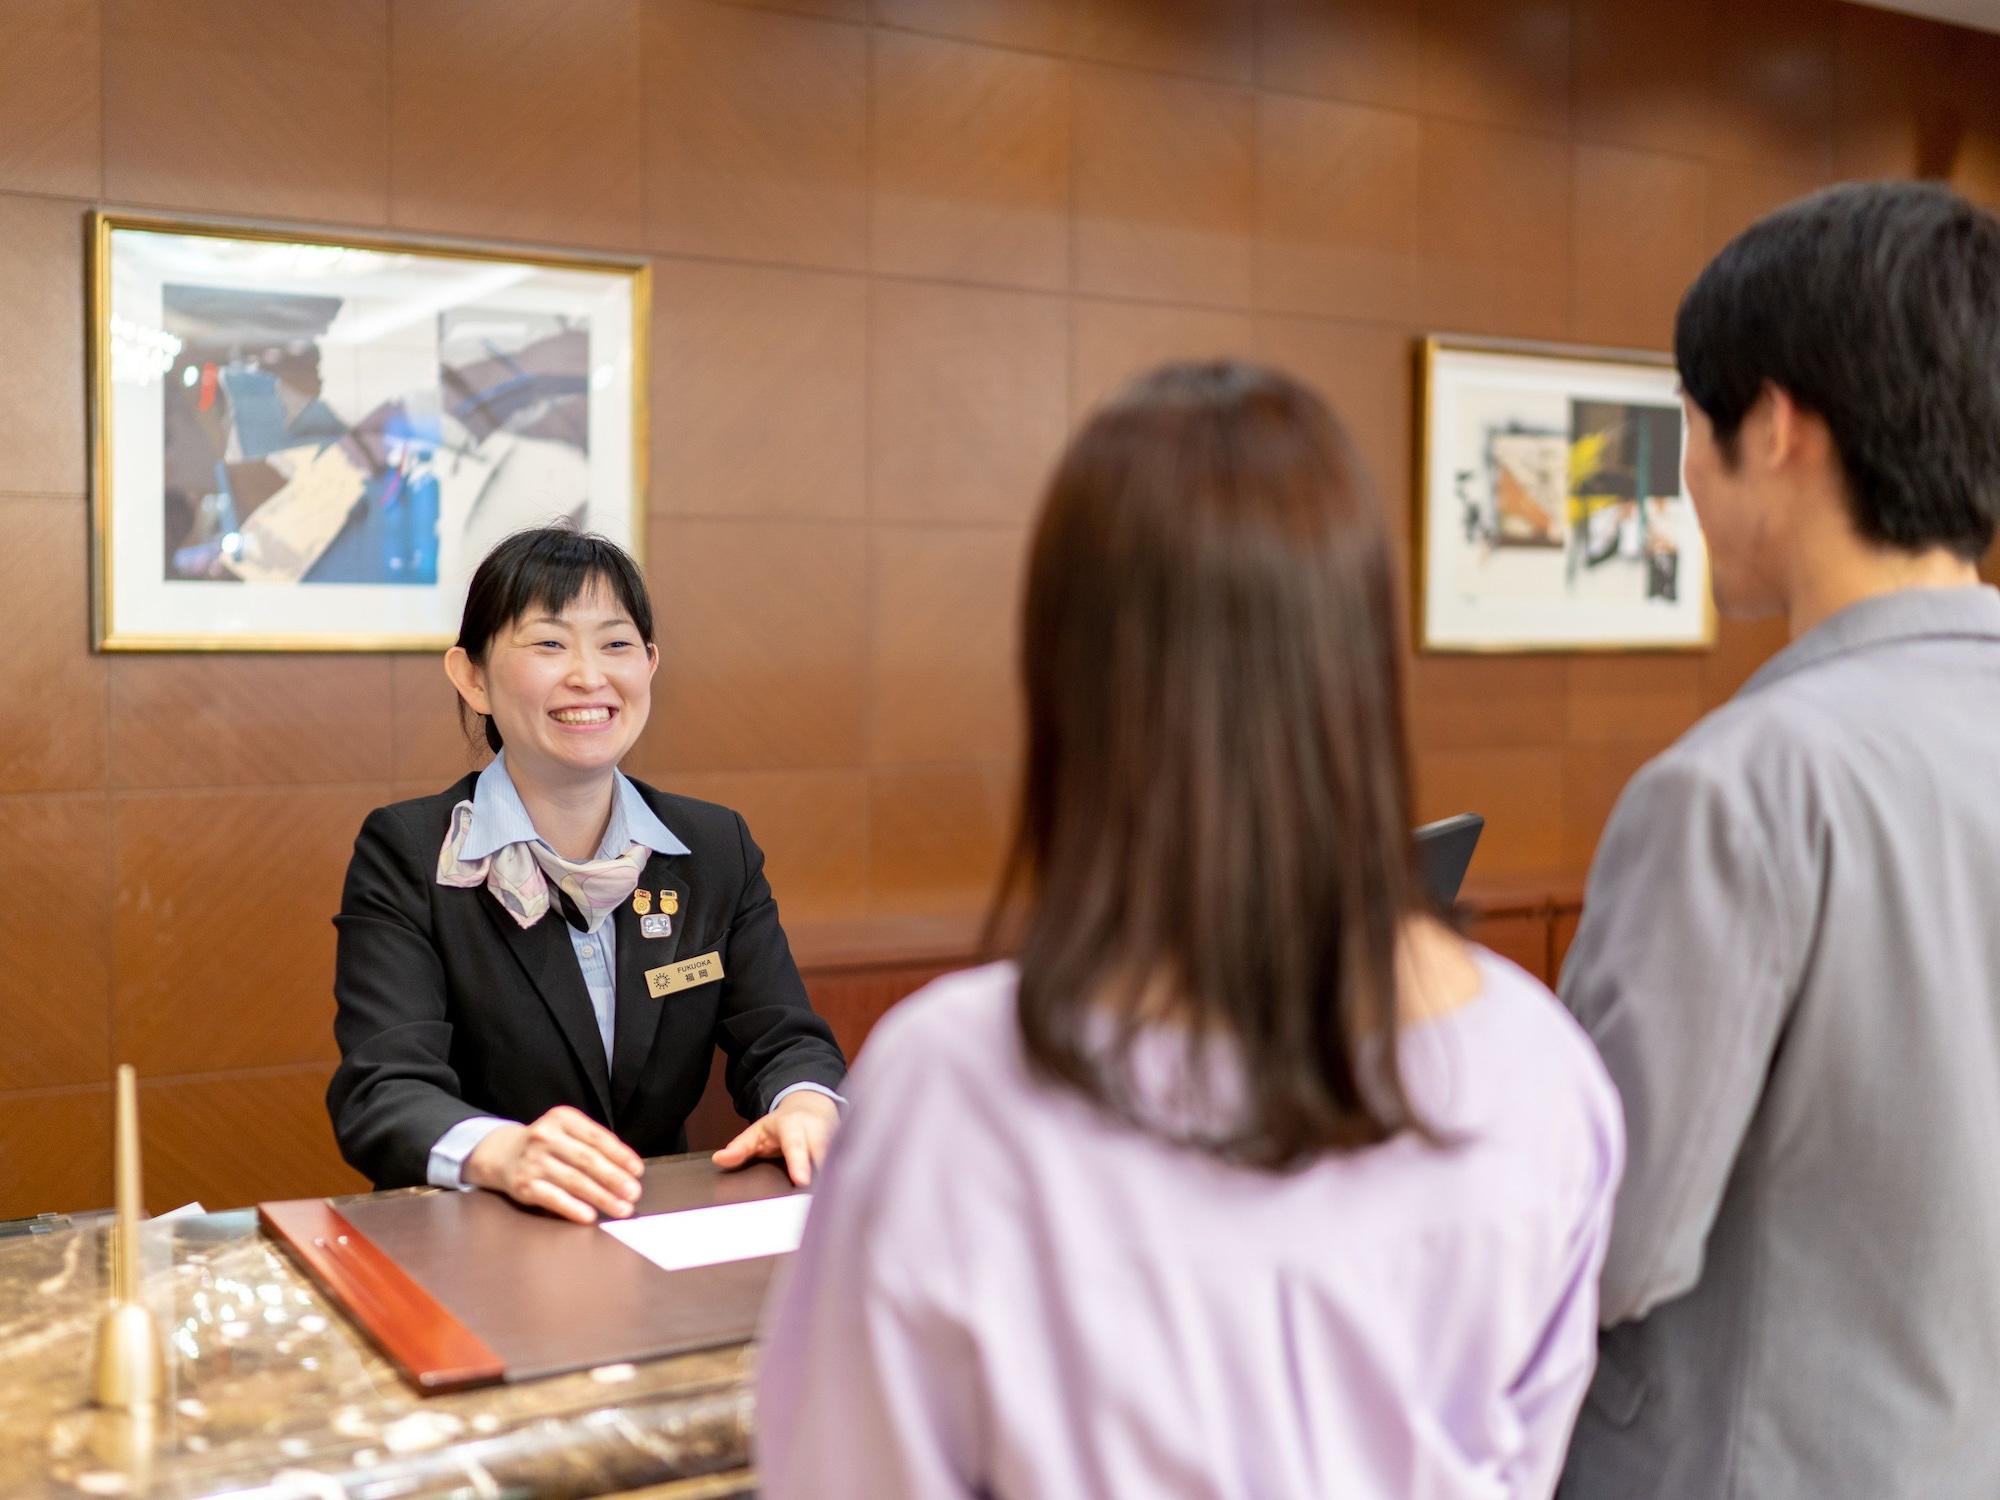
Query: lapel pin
{"x": 656, "y": 925}
{"x": 642, "y": 902}
{"x": 670, "y": 902}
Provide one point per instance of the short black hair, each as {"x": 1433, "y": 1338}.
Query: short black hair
{"x": 546, "y": 567}
{"x": 1875, "y": 305}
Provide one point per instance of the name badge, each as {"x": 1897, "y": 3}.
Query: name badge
{"x": 684, "y": 975}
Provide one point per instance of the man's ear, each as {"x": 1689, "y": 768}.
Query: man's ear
{"x": 466, "y": 676}
{"x": 1797, "y": 439}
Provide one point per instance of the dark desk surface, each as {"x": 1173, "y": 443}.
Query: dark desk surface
{"x": 274, "y": 1395}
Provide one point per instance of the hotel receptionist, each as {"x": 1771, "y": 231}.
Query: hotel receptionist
{"x": 535, "y": 966}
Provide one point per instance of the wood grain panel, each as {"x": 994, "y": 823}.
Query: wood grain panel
{"x": 812, "y": 827}
{"x": 760, "y": 388}
{"x": 1165, "y": 188}
{"x": 55, "y": 952}
{"x": 221, "y": 720}
{"x": 1739, "y": 195}
{"x": 1593, "y": 778}
{"x": 1336, "y": 209}
{"x": 936, "y": 836}
{"x": 1637, "y": 238}
{"x": 969, "y": 162}
{"x": 1466, "y": 702}
{"x": 1891, "y": 118}
{"x": 829, "y": 10}
{"x": 41, "y": 379}
{"x": 1205, "y": 38}
{"x": 755, "y": 135}
{"x": 1645, "y": 699}
{"x": 429, "y": 743}
{"x": 1974, "y": 83}
{"x": 1112, "y": 342}
{"x": 1494, "y": 232}
{"x": 1363, "y": 370}
{"x": 1642, "y": 75}
{"x": 1519, "y": 939}
{"x": 1498, "y": 62}
{"x": 1771, "y": 71}
{"x": 968, "y": 401}
{"x": 235, "y": 106}
{"x": 763, "y": 628}
{"x": 519, "y": 121}
{"x": 945, "y": 605}
{"x": 1030, "y": 25}
{"x": 1362, "y": 51}
{"x": 853, "y": 1000}
{"x": 1562, "y": 933}
{"x": 238, "y": 1139}
{"x": 1519, "y": 791}
{"x": 54, "y": 738}
{"x": 55, "y": 1153}
{"x": 223, "y": 951}
{"x": 50, "y": 139}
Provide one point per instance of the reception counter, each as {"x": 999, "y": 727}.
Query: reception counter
{"x": 272, "y": 1393}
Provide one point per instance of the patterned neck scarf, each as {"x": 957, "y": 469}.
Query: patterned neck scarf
{"x": 520, "y": 875}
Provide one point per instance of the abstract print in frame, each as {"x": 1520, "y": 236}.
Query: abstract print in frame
{"x": 1551, "y": 513}
{"x": 307, "y": 442}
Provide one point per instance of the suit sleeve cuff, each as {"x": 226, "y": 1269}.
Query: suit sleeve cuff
{"x": 815, "y": 1088}
{"x": 447, "y": 1158}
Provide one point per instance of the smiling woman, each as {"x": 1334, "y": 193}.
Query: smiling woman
{"x": 486, "y": 1044}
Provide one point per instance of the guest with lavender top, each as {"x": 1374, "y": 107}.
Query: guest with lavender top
{"x": 1249, "y": 1177}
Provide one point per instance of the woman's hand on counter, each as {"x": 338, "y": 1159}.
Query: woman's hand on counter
{"x": 564, "y": 1162}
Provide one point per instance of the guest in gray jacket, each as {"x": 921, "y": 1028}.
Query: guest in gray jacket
{"x": 1790, "y": 948}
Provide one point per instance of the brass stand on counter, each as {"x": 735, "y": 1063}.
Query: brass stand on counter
{"x": 129, "y": 1371}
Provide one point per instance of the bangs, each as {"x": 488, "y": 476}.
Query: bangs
{"x": 547, "y": 570}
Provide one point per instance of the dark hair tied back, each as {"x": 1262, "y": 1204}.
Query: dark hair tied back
{"x": 545, "y": 568}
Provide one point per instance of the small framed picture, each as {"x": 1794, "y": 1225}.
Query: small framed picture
{"x": 1551, "y": 515}
{"x": 307, "y": 442}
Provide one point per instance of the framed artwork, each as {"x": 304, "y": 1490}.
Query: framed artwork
{"x": 1551, "y": 514}
{"x": 307, "y": 442}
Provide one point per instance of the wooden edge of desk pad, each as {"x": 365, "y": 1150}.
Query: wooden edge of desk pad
{"x": 547, "y": 1296}
{"x": 408, "y": 1324}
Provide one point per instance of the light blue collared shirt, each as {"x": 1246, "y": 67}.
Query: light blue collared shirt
{"x": 500, "y": 818}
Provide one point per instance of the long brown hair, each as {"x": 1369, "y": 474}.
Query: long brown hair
{"x": 1215, "y": 805}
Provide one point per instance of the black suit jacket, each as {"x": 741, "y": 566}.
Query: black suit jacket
{"x": 448, "y": 1009}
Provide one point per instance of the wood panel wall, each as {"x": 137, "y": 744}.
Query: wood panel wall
{"x": 899, "y": 248}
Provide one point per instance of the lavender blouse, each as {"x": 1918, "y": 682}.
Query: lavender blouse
{"x": 1003, "y": 1292}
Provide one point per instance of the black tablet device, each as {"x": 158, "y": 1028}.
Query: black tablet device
{"x": 1444, "y": 849}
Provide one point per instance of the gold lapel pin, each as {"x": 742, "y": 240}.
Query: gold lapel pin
{"x": 642, "y": 902}
{"x": 670, "y": 902}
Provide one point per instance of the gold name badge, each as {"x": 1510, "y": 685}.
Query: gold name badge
{"x": 684, "y": 975}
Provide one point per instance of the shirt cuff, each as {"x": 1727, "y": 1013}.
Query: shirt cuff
{"x": 448, "y": 1156}
{"x": 816, "y": 1088}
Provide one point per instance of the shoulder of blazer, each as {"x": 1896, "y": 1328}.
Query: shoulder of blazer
{"x": 423, "y": 820}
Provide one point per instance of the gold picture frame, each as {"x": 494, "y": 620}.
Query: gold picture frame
{"x": 304, "y": 440}
{"x": 1549, "y": 512}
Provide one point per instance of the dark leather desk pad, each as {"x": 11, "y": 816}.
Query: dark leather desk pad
{"x": 550, "y": 1296}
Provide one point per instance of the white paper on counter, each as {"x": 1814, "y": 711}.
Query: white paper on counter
{"x": 711, "y": 1236}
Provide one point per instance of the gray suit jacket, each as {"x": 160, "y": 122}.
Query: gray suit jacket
{"x": 1790, "y": 961}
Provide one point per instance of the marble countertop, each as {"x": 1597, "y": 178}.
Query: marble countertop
{"x": 273, "y": 1394}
